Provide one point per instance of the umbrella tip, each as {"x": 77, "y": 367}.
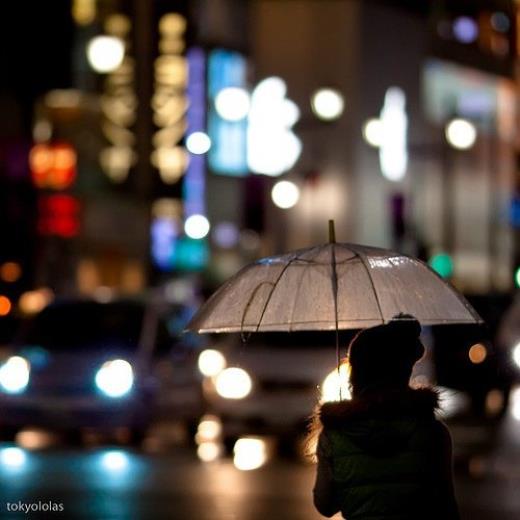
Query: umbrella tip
{"x": 332, "y": 232}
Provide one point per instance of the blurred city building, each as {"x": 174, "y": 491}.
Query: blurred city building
{"x": 145, "y": 143}
{"x": 386, "y": 170}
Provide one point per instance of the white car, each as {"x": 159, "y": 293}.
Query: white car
{"x": 271, "y": 383}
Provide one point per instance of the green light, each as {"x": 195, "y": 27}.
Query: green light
{"x": 442, "y": 264}
{"x": 191, "y": 254}
{"x": 517, "y": 276}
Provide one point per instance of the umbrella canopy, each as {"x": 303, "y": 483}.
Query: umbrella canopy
{"x": 330, "y": 287}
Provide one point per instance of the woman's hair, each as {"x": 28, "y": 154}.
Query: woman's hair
{"x": 384, "y": 356}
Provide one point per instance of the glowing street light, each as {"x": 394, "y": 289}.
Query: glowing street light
{"x": 389, "y": 134}
{"x": 196, "y": 226}
{"x": 461, "y": 133}
{"x": 232, "y": 103}
{"x": 272, "y": 146}
{"x": 327, "y": 104}
{"x": 105, "y": 53}
{"x": 285, "y": 194}
{"x": 198, "y": 143}
{"x": 373, "y": 132}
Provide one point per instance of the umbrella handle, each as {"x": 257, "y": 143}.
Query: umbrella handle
{"x": 332, "y": 232}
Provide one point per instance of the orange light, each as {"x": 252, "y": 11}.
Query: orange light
{"x": 5, "y": 305}
{"x": 53, "y": 166}
{"x": 10, "y": 272}
{"x": 32, "y": 302}
{"x": 477, "y": 353}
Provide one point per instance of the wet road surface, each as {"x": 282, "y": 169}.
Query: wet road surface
{"x": 120, "y": 483}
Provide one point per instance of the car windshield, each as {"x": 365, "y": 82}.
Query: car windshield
{"x": 89, "y": 325}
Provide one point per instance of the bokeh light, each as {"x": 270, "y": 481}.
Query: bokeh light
{"x": 373, "y": 132}
{"x": 477, "y": 353}
{"x": 196, "y": 226}
{"x": 14, "y": 375}
{"x": 232, "y": 103}
{"x": 12, "y": 457}
{"x": 285, "y": 194}
{"x": 5, "y": 305}
{"x": 211, "y": 362}
{"x": 115, "y": 378}
{"x": 225, "y": 234}
{"x": 32, "y": 302}
{"x": 465, "y": 29}
{"x": 209, "y": 429}
{"x": 83, "y": 11}
{"x": 442, "y": 264}
{"x": 516, "y": 354}
{"x": 233, "y": 383}
{"x": 209, "y": 451}
{"x": 10, "y": 272}
{"x": 327, "y": 104}
{"x": 336, "y": 386}
{"x": 105, "y": 53}
{"x": 198, "y": 143}
{"x": 461, "y": 134}
{"x": 272, "y": 146}
{"x": 34, "y": 439}
{"x": 515, "y": 404}
{"x": 114, "y": 460}
{"x": 249, "y": 453}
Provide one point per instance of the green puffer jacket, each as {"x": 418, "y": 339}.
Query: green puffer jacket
{"x": 385, "y": 457}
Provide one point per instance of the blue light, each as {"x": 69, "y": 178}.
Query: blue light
{"x": 227, "y": 155}
{"x": 465, "y": 29}
{"x": 194, "y": 183}
{"x": 115, "y": 461}
{"x": 12, "y": 457}
{"x": 191, "y": 254}
{"x": 514, "y": 213}
{"x": 225, "y": 235}
{"x": 163, "y": 233}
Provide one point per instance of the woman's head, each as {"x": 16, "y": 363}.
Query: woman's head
{"x": 384, "y": 356}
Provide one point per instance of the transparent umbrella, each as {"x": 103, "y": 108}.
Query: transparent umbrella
{"x": 329, "y": 287}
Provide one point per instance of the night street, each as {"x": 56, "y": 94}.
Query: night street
{"x": 113, "y": 482}
{"x": 238, "y": 236}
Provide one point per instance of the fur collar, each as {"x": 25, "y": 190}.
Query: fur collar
{"x": 410, "y": 402}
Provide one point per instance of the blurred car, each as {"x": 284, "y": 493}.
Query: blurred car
{"x": 473, "y": 359}
{"x": 508, "y": 337}
{"x": 270, "y": 384}
{"x": 83, "y": 363}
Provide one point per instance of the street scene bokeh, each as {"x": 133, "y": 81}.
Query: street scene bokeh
{"x": 150, "y": 150}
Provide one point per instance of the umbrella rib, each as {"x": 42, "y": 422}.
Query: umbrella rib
{"x": 363, "y": 262}
{"x": 272, "y": 290}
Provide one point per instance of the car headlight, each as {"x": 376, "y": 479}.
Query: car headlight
{"x": 336, "y": 385}
{"x": 14, "y": 375}
{"x": 211, "y": 362}
{"x": 115, "y": 378}
{"x": 233, "y": 383}
{"x": 516, "y": 354}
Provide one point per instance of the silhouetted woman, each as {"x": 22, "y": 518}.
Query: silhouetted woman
{"x": 383, "y": 455}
